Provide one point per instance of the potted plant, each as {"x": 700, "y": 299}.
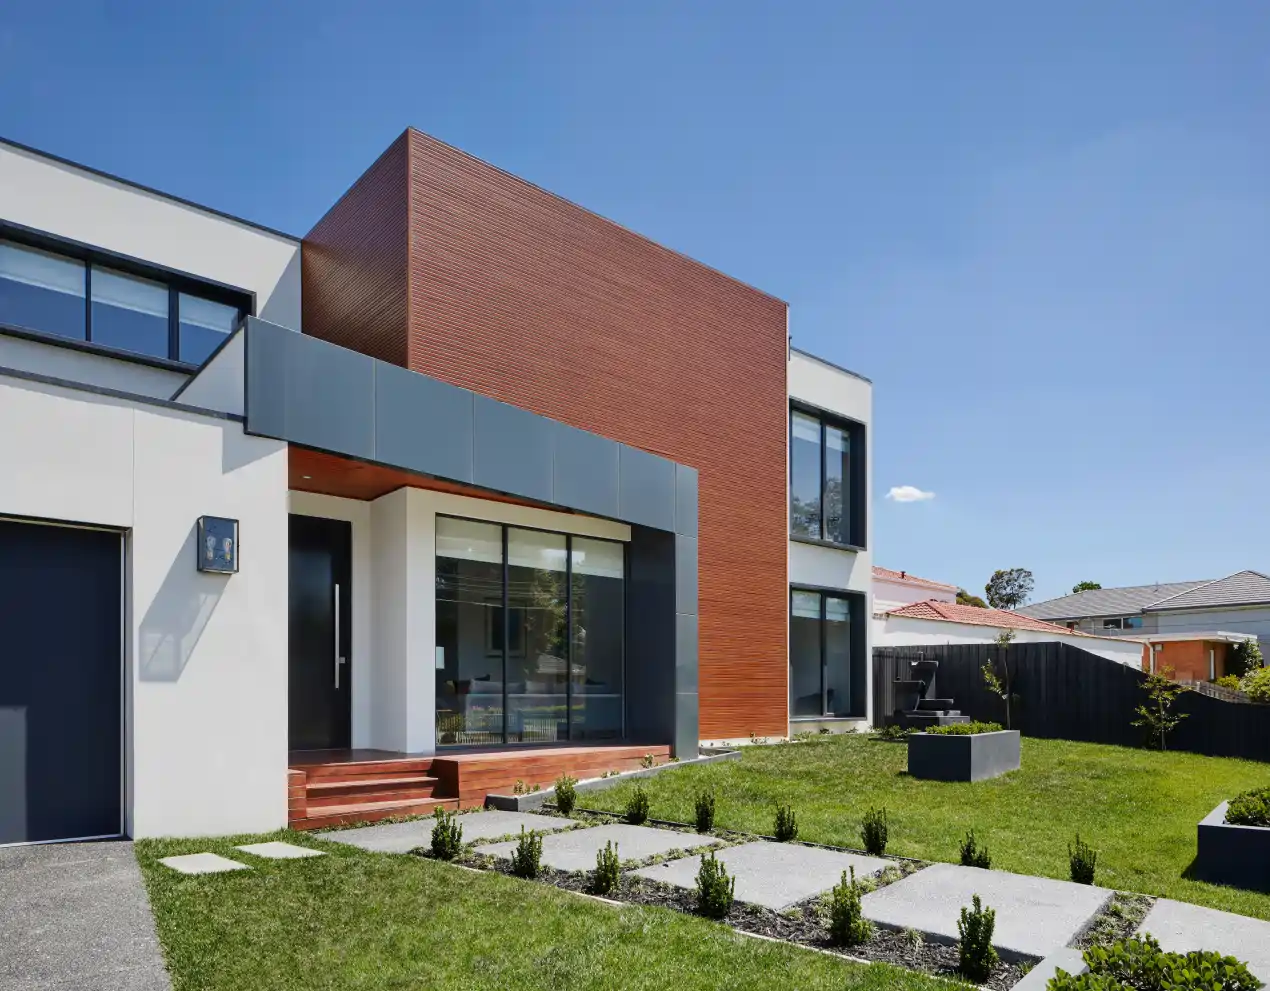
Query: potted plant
{"x": 1233, "y": 842}
{"x": 970, "y": 751}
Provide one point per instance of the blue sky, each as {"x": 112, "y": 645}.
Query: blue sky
{"x": 1043, "y": 233}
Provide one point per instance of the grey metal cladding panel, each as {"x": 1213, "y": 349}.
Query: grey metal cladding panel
{"x": 685, "y": 500}
{"x": 513, "y": 450}
{"x": 687, "y": 728}
{"x": 686, "y": 574}
{"x": 586, "y": 471}
{"x": 686, "y": 640}
{"x": 646, "y": 490}
{"x": 422, "y": 424}
{"x": 266, "y": 364}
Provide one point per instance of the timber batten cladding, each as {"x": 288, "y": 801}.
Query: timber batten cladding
{"x": 492, "y": 284}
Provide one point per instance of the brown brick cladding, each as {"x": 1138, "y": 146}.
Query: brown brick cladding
{"x": 527, "y": 298}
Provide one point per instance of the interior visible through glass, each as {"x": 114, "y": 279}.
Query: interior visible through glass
{"x": 598, "y": 610}
{"x": 537, "y": 599}
{"x": 40, "y": 291}
{"x": 129, "y": 313}
{"x": 805, "y": 698}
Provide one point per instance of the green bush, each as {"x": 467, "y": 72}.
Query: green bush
{"x": 976, "y": 954}
{"x": 786, "y": 824}
{"x": 637, "y": 807}
{"x": 974, "y": 855}
{"x": 847, "y": 924}
{"x": 527, "y": 857}
{"x": 1244, "y": 658}
{"x": 894, "y": 731}
{"x": 1256, "y": 685}
{"x": 705, "y": 811}
{"x": 714, "y": 888}
{"x": 1230, "y": 681}
{"x": 566, "y": 793}
{"x": 965, "y": 729}
{"x": 608, "y": 869}
{"x": 1140, "y": 965}
{"x": 1252, "y": 808}
{"x": 447, "y": 836}
{"x": 1083, "y": 860}
{"x": 873, "y": 831}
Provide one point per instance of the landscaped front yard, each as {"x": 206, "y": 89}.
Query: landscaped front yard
{"x": 365, "y": 922}
{"x": 1137, "y": 808}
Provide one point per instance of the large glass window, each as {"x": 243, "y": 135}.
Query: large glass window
{"x": 804, "y": 481}
{"x": 805, "y": 697}
{"x": 203, "y": 325}
{"x": 530, "y": 632}
{"x": 822, "y": 480}
{"x": 824, "y": 674}
{"x": 40, "y": 291}
{"x": 129, "y": 313}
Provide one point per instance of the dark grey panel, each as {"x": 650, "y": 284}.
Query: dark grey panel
{"x": 422, "y": 424}
{"x": 513, "y": 450}
{"x": 685, "y": 500}
{"x": 686, "y": 639}
{"x": 650, "y": 636}
{"x": 646, "y": 493}
{"x": 265, "y": 401}
{"x": 586, "y": 471}
{"x": 687, "y": 731}
{"x": 686, "y": 574}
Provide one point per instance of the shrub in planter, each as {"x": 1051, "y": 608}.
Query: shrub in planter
{"x": 847, "y": 924}
{"x": 786, "y": 824}
{"x": 1083, "y": 861}
{"x": 976, "y": 954}
{"x": 1140, "y": 965}
{"x": 705, "y": 811}
{"x": 974, "y": 855}
{"x": 566, "y": 793}
{"x": 714, "y": 888}
{"x": 527, "y": 857}
{"x": 447, "y": 836}
{"x": 637, "y": 807}
{"x": 608, "y": 869}
{"x": 1228, "y": 681}
{"x": 1256, "y": 685}
{"x": 1251, "y": 808}
{"x": 965, "y": 729}
{"x": 873, "y": 831}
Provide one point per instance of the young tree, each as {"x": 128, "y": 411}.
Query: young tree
{"x": 1085, "y": 587}
{"x": 1156, "y": 717}
{"x": 1009, "y": 588}
{"x": 1001, "y": 683}
{"x": 964, "y": 598}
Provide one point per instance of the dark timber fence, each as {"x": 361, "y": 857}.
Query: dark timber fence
{"x": 1066, "y": 693}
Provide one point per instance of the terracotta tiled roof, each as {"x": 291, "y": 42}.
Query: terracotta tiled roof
{"x": 951, "y": 612}
{"x": 887, "y": 575}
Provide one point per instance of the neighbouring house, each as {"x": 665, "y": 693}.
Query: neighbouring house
{"x": 898, "y": 588}
{"x": 1187, "y": 627}
{"x": 464, "y": 486}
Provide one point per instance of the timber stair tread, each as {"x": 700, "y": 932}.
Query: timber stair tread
{"x": 341, "y": 815}
{"x": 328, "y": 787}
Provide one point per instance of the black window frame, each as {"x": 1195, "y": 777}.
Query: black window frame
{"x": 859, "y": 664}
{"x": 175, "y": 280}
{"x": 855, "y": 488}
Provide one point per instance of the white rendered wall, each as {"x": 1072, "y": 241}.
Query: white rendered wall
{"x": 221, "y": 382}
{"x": 80, "y": 366}
{"x": 205, "y": 655}
{"x": 889, "y": 595}
{"x": 905, "y": 631}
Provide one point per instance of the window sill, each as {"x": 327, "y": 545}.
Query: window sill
{"x": 102, "y": 350}
{"x": 817, "y": 542}
{"x": 826, "y": 719}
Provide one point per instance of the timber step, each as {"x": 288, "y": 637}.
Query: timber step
{"x": 327, "y": 816}
{"x": 363, "y": 770}
{"x": 400, "y": 789}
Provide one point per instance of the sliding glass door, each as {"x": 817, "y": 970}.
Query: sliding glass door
{"x": 823, "y": 680}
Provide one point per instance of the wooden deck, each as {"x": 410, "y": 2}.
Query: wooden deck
{"x": 333, "y": 788}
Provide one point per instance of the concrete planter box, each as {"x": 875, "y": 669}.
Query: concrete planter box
{"x": 937, "y": 757}
{"x": 1235, "y": 855}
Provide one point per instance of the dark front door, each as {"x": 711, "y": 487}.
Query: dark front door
{"x": 61, "y": 683}
{"x": 320, "y": 633}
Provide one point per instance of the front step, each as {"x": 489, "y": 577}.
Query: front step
{"x": 323, "y": 792}
{"x": 344, "y": 815}
{"x": 367, "y": 769}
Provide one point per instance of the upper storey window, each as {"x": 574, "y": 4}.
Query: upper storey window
{"x": 153, "y": 314}
{"x": 826, "y": 497}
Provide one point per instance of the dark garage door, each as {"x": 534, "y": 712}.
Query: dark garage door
{"x": 60, "y": 682}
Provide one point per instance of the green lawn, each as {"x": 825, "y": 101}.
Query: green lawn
{"x": 357, "y": 921}
{"x": 1138, "y": 808}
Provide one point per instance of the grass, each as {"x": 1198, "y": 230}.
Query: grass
{"x": 370, "y": 922}
{"x": 1137, "y": 808}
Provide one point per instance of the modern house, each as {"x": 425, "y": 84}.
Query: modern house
{"x": 1186, "y": 627}
{"x": 467, "y": 485}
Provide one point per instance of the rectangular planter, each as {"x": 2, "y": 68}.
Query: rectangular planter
{"x": 936, "y": 757}
{"x": 1235, "y": 855}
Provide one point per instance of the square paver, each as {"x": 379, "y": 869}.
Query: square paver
{"x": 402, "y": 837}
{"x": 280, "y": 851}
{"x": 576, "y": 850}
{"x": 202, "y": 863}
{"x": 1035, "y": 915}
{"x": 774, "y": 875}
{"x": 1181, "y": 928}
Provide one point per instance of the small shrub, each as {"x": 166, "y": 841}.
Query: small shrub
{"x": 520, "y": 788}
{"x": 637, "y": 807}
{"x": 786, "y": 824}
{"x": 1244, "y": 658}
{"x": 894, "y": 732}
{"x": 1156, "y": 717}
{"x": 1251, "y": 808}
{"x": 608, "y": 869}
{"x": 965, "y": 729}
{"x": 1140, "y": 965}
{"x": 914, "y": 941}
{"x": 873, "y": 831}
{"x": 527, "y": 857}
{"x": 977, "y": 957}
{"x": 974, "y": 855}
{"x": 847, "y": 924}
{"x": 714, "y": 888}
{"x": 447, "y": 836}
{"x": 824, "y": 731}
{"x": 1083, "y": 861}
{"x": 647, "y": 761}
{"x": 1256, "y": 685}
{"x": 566, "y": 793}
{"x": 1228, "y": 681}
{"x": 705, "y": 811}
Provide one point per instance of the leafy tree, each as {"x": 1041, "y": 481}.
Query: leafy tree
{"x": 1085, "y": 587}
{"x": 1156, "y": 717}
{"x": 1244, "y": 658}
{"x": 1000, "y": 679}
{"x": 1009, "y": 588}
{"x": 964, "y": 598}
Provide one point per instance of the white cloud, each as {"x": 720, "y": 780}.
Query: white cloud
{"x": 909, "y": 493}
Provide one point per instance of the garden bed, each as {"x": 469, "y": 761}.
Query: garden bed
{"x": 963, "y": 756}
{"x": 1230, "y": 854}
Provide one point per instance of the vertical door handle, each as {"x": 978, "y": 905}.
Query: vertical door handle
{"x": 339, "y": 660}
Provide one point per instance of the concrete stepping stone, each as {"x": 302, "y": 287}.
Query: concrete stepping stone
{"x": 402, "y": 837}
{"x": 1181, "y": 928}
{"x": 202, "y": 863}
{"x": 1035, "y": 915}
{"x": 280, "y": 851}
{"x": 774, "y": 875}
{"x": 576, "y": 850}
